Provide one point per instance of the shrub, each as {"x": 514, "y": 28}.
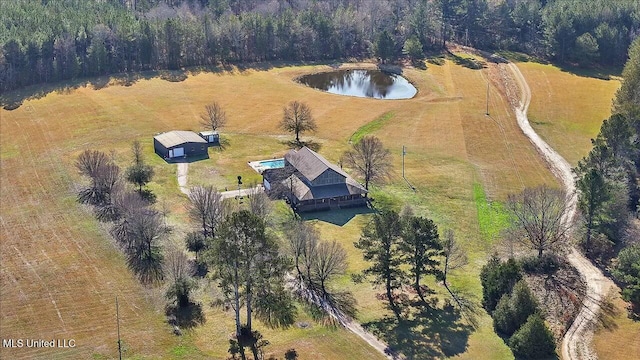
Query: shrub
{"x": 497, "y": 279}
{"x": 514, "y": 309}
{"x": 533, "y": 340}
{"x": 195, "y": 242}
{"x": 180, "y": 290}
{"x": 291, "y": 354}
{"x": 502, "y": 318}
{"x": 546, "y": 264}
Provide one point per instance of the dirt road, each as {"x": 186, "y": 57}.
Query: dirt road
{"x": 576, "y": 343}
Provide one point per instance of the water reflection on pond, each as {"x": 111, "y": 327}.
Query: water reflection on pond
{"x": 361, "y": 83}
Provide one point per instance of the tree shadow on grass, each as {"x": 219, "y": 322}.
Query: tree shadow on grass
{"x": 432, "y": 332}
{"x": 608, "y": 314}
{"x": 471, "y": 63}
{"x": 338, "y": 217}
{"x": 292, "y": 144}
{"x": 187, "y": 159}
{"x": 185, "y": 317}
{"x": 595, "y": 72}
{"x": 223, "y": 144}
{"x": 13, "y": 99}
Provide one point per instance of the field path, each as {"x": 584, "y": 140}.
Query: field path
{"x": 576, "y": 343}
{"x": 343, "y": 319}
{"x": 183, "y": 170}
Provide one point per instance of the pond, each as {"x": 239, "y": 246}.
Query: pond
{"x": 361, "y": 83}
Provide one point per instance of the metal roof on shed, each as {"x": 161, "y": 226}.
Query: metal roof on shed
{"x": 177, "y": 137}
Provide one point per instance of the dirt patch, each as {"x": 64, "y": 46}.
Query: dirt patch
{"x": 560, "y": 297}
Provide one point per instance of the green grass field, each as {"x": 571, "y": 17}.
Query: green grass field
{"x": 57, "y": 259}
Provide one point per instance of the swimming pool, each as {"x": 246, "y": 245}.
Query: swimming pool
{"x": 272, "y": 164}
{"x": 260, "y": 166}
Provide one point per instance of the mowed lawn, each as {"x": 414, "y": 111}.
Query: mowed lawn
{"x": 61, "y": 273}
{"x": 567, "y": 109}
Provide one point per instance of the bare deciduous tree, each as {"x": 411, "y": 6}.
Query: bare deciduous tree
{"x": 207, "y": 208}
{"x": 89, "y": 161}
{"x": 104, "y": 177}
{"x": 330, "y": 259}
{"x": 103, "y": 182}
{"x": 303, "y": 240}
{"x": 454, "y": 256}
{"x": 370, "y": 160}
{"x": 259, "y": 203}
{"x": 537, "y": 217}
{"x": 297, "y": 119}
{"x": 214, "y": 116}
{"x": 136, "y": 150}
{"x": 178, "y": 271}
{"x": 144, "y": 255}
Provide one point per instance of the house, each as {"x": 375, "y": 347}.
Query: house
{"x": 179, "y": 144}
{"x": 212, "y": 137}
{"x": 310, "y": 183}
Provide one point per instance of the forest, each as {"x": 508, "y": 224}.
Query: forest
{"x": 53, "y": 40}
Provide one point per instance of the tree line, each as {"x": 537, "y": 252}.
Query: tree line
{"x": 135, "y": 224}
{"x": 608, "y": 181}
{"x": 57, "y": 40}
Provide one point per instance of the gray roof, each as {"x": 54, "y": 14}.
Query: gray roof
{"x": 177, "y": 137}
{"x": 302, "y": 191}
{"x": 207, "y": 133}
{"x": 311, "y": 164}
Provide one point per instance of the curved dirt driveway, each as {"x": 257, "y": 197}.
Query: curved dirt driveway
{"x": 576, "y": 343}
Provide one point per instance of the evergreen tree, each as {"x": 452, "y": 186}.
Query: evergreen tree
{"x": 380, "y": 245}
{"x": 498, "y": 278}
{"x": 627, "y": 271}
{"x": 533, "y": 340}
{"x": 421, "y": 248}
{"x": 514, "y": 309}
{"x": 385, "y": 47}
{"x": 139, "y": 173}
{"x": 413, "y": 48}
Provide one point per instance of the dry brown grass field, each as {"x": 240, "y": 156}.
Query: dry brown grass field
{"x": 61, "y": 271}
{"x": 617, "y": 336}
{"x": 567, "y": 109}
{"x": 568, "y": 125}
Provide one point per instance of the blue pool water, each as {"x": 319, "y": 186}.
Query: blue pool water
{"x": 272, "y": 164}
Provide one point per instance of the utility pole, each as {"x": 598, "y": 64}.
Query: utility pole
{"x": 404, "y": 152}
{"x": 118, "y": 322}
{"x": 487, "y": 99}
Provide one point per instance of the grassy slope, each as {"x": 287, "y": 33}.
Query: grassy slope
{"x": 567, "y": 109}
{"x": 567, "y": 120}
{"x": 617, "y": 336}
{"x": 452, "y": 147}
